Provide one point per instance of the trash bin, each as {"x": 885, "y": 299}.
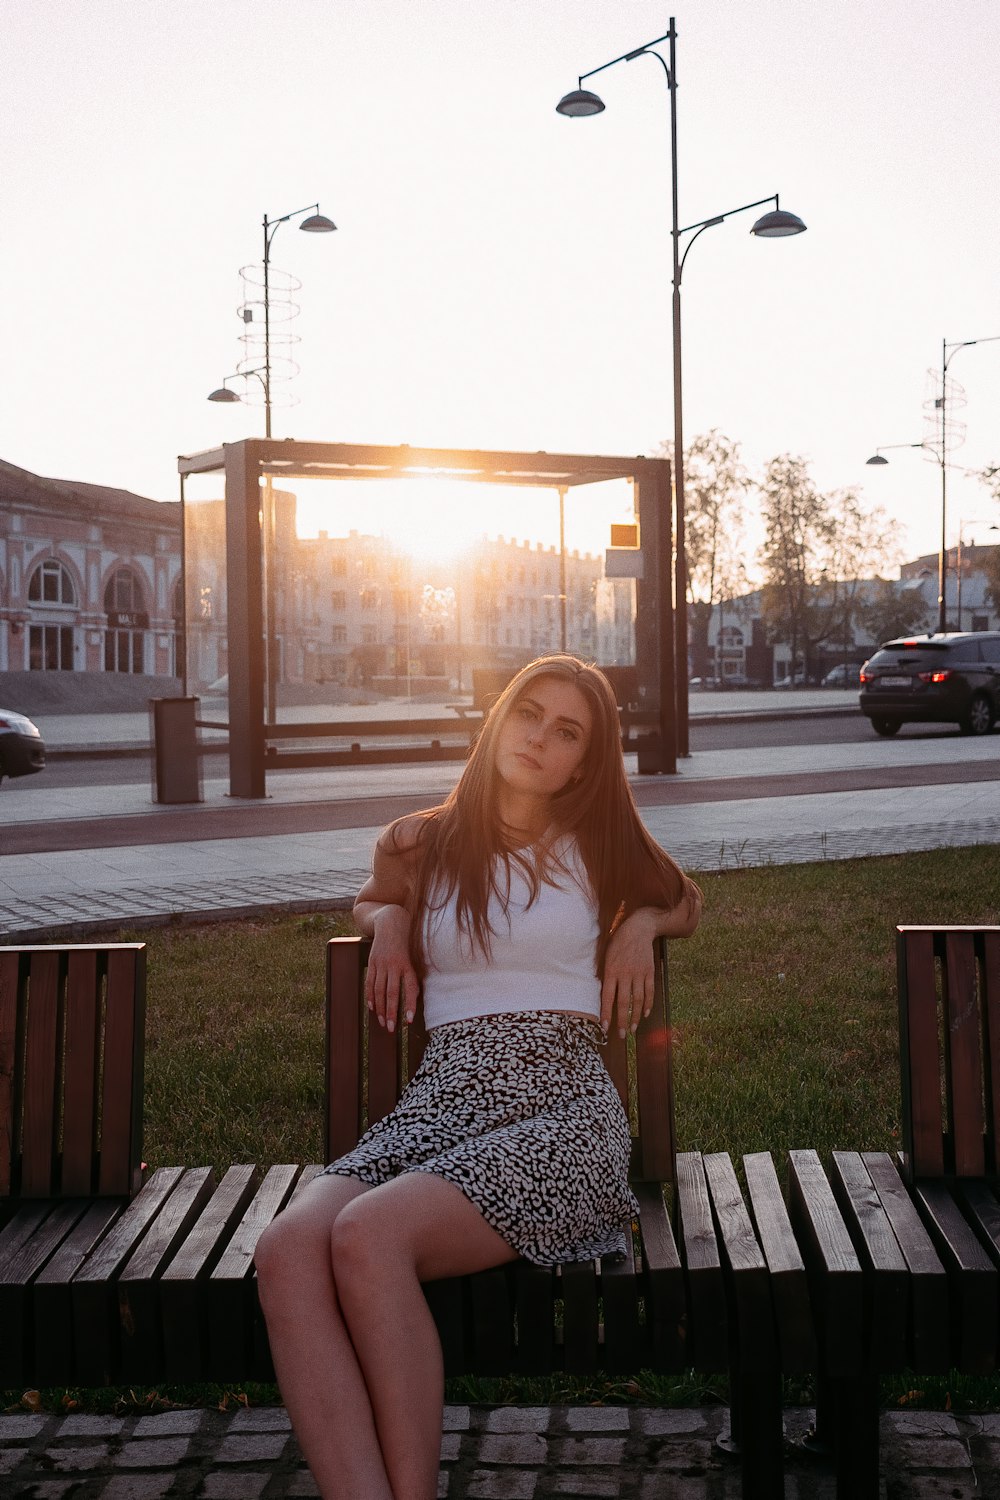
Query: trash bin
{"x": 176, "y": 767}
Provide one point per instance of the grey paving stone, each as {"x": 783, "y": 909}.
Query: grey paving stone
{"x": 251, "y": 1447}
{"x": 673, "y": 1487}
{"x": 443, "y": 1482}
{"x": 169, "y": 1423}
{"x": 260, "y": 1419}
{"x": 940, "y": 1487}
{"x": 153, "y": 1453}
{"x": 934, "y": 1453}
{"x": 513, "y": 1448}
{"x": 456, "y": 1419}
{"x": 588, "y": 1450}
{"x": 988, "y": 1423}
{"x": 598, "y": 1419}
{"x": 451, "y": 1443}
{"x": 242, "y": 1486}
{"x": 17, "y": 1428}
{"x": 137, "y": 1487}
{"x": 606, "y": 1486}
{"x": 921, "y": 1424}
{"x": 512, "y": 1484}
{"x": 10, "y": 1458}
{"x": 656, "y": 1423}
{"x": 50, "y": 1489}
{"x": 84, "y": 1425}
{"x": 690, "y": 1455}
{"x": 518, "y": 1419}
{"x": 78, "y": 1460}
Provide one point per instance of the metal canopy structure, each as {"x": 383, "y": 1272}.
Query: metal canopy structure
{"x": 246, "y": 464}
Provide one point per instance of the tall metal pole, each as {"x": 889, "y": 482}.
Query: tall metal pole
{"x": 270, "y": 529}
{"x": 680, "y": 554}
{"x": 562, "y": 568}
{"x": 943, "y": 554}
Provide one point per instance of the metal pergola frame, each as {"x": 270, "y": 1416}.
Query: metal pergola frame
{"x": 246, "y": 463}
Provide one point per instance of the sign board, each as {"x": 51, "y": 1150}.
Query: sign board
{"x": 128, "y": 619}
{"x": 623, "y": 562}
{"x": 625, "y": 535}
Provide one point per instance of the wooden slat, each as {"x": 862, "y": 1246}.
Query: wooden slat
{"x": 663, "y": 1282}
{"x": 416, "y": 1045}
{"x": 95, "y": 1313}
{"x": 835, "y": 1274}
{"x": 82, "y": 1072}
{"x": 708, "y": 1325}
{"x": 124, "y": 1043}
{"x": 991, "y": 1013}
{"x": 920, "y": 1057}
{"x": 789, "y": 1286}
{"x": 492, "y": 1322}
{"x": 446, "y": 1300}
{"x": 344, "y": 968}
{"x": 10, "y": 1092}
{"x": 17, "y": 1272}
{"x": 965, "y": 1057}
{"x": 756, "y": 1337}
{"x": 580, "y": 1324}
{"x": 615, "y": 1055}
{"x": 886, "y": 1270}
{"x": 534, "y": 1302}
{"x": 230, "y": 1296}
{"x": 930, "y": 1332}
{"x": 626, "y": 1346}
{"x": 383, "y": 1069}
{"x": 973, "y": 1278}
{"x": 54, "y": 1360}
{"x": 654, "y": 1080}
{"x": 41, "y": 1077}
{"x": 182, "y": 1285}
{"x": 138, "y": 1289}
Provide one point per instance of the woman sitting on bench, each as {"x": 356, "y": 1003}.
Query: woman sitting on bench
{"x": 521, "y": 914}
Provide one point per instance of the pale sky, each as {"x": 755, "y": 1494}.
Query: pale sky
{"x": 500, "y": 276}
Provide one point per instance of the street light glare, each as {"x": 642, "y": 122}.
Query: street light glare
{"x": 579, "y": 103}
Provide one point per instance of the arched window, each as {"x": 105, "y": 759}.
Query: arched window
{"x": 51, "y": 584}
{"x": 127, "y": 623}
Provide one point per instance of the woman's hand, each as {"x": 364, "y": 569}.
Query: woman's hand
{"x": 390, "y": 968}
{"x": 628, "y": 971}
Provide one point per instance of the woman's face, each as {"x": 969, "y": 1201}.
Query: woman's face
{"x": 544, "y": 739}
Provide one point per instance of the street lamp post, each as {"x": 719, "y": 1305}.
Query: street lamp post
{"x": 776, "y": 224}
{"x": 948, "y": 352}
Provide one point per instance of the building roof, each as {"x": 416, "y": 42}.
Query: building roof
{"x": 20, "y": 488}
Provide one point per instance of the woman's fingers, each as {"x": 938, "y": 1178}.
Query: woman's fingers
{"x": 627, "y": 996}
{"x": 382, "y": 991}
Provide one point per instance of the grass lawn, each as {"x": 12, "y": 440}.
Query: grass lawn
{"x": 783, "y": 1006}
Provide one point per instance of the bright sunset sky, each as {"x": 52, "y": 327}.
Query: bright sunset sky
{"x": 500, "y": 276}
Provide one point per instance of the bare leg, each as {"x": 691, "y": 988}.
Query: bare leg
{"x": 416, "y": 1228}
{"x": 317, "y": 1368}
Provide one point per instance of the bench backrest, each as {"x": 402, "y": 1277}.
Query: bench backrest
{"x": 367, "y": 1068}
{"x": 71, "y": 1070}
{"x": 949, "y": 1032}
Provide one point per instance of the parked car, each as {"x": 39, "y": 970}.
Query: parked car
{"x": 951, "y": 678}
{"x": 798, "y": 680}
{"x": 842, "y": 675}
{"x": 22, "y": 750}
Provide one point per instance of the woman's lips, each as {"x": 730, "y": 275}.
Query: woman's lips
{"x": 528, "y": 760}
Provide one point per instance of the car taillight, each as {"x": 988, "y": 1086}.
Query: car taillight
{"x": 867, "y": 676}
{"x": 933, "y": 676}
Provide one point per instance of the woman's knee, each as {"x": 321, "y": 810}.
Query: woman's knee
{"x": 302, "y": 1233}
{"x": 361, "y": 1245}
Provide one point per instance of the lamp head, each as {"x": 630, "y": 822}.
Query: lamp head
{"x": 777, "y": 224}
{"x": 579, "y": 103}
{"x": 876, "y": 459}
{"x": 223, "y": 394}
{"x": 317, "y": 224}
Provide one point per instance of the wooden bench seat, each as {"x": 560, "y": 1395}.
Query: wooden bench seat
{"x": 106, "y": 1278}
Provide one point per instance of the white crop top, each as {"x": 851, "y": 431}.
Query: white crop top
{"x": 542, "y": 956}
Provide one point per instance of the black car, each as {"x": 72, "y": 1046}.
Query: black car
{"x": 950, "y": 678}
{"x": 21, "y": 748}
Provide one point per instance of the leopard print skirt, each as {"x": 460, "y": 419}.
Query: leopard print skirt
{"x": 520, "y": 1113}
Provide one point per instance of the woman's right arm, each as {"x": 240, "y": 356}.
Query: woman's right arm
{"x": 382, "y": 912}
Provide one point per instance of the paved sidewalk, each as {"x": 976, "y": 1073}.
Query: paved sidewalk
{"x": 487, "y": 1453}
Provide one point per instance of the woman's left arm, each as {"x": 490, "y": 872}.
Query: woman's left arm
{"x": 628, "y": 964}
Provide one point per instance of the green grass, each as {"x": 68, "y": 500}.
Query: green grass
{"x": 784, "y": 1015}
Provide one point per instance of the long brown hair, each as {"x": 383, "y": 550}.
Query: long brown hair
{"x": 462, "y": 844}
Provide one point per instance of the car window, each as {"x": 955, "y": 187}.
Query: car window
{"x": 964, "y": 651}
{"x": 990, "y": 650}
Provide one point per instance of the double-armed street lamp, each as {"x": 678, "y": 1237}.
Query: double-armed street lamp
{"x": 776, "y": 224}
{"x": 940, "y": 451}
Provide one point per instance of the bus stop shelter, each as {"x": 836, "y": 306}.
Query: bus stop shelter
{"x": 249, "y": 469}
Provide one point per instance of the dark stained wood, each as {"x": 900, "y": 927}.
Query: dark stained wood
{"x": 447, "y": 1302}
{"x": 973, "y": 1278}
{"x": 708, "y": 1323}
{"x": 124, "y": 1052}
{"x": 930, "y": 1332}
{"x": 231, "y": 1296}
{"x": 41, "y": 1067}
{"x": 749, "y": 1278}
{"x": 920, "y": 1056}
{"x": 345, "y": 958}
{"x": 53, "y": 1361}
{"x": 626, "y": 1347}
{"x": 17, "y": 1271}
{"x": 384, "y": 1066}
{"x": 416, "y": 1045}
{"x": 82, "y": 1072}
{"x": 663, "y": 1282}
{"x": 580, "y": 1322}
{"x": 654, "y": 1081}
{"x": 965, "y": 1058}
{"x": 991, "y": 1010}
{"x": 534, "y": 1304}
{"x": 886, "y": 1272}
{"x": 789, "y": 1286}
{"x": 10, "y": 1092}
{"x": 835, "y": 1276}
{"x": 492, "y": 1321}
{"x": 615, "y": 1054}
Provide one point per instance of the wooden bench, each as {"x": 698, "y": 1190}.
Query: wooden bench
{"x": 903, "y": 1252}
{"x": 105, "y": 1278}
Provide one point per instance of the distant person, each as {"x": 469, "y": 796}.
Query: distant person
{"x": 521, "y": 914}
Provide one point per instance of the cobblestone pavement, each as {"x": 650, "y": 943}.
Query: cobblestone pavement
{"x": 499, "y": 1453}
